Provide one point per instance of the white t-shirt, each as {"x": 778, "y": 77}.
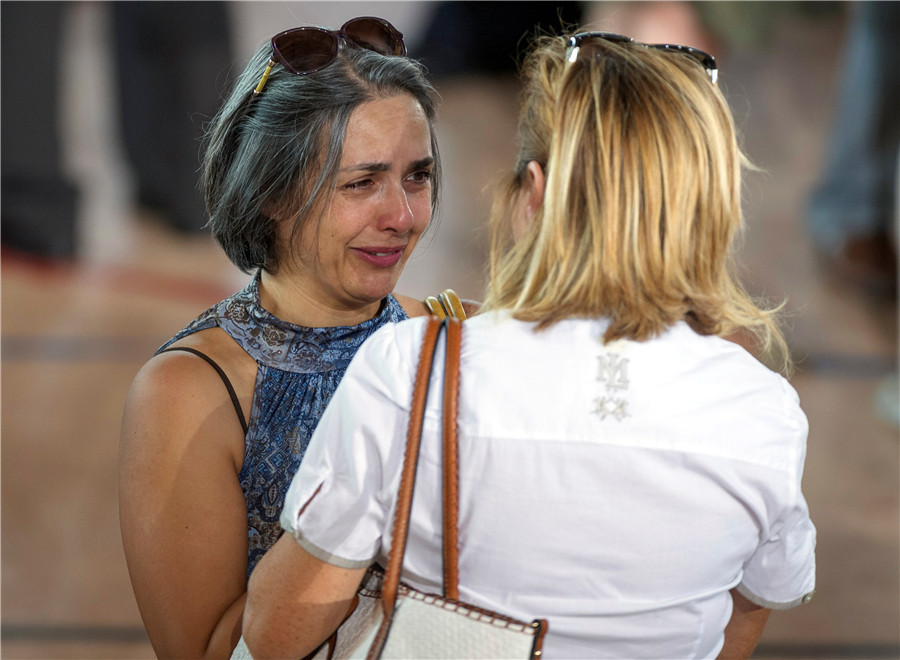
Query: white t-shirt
{"x": 618, "y": 491}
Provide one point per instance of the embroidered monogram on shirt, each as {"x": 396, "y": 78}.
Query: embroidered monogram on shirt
{"x": 605, "y": 406}
{"x": 613, "y": 373}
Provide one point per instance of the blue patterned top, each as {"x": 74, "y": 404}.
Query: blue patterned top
{"x": 298, "y": 371}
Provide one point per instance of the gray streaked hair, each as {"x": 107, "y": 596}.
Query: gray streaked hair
{"x": 282, "y": 149}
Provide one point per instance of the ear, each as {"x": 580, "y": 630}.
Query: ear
{"x": 534, "y": 188}
{"x": 271, "y": 210}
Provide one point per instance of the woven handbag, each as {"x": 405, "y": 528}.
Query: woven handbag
{"x": 390, "y": 619}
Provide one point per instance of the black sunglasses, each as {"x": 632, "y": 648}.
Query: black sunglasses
{"x": 707, "y": 61}
{"x": 304, "y": 50}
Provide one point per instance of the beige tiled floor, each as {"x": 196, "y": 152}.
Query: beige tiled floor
{"x": 74, "y": 335}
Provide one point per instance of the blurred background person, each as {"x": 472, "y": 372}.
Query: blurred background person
{"x": 853, "y": 208}
{"x": 39, "y": 201}
{"x": 173, "y": 59}
{"x": 170, "y": 74}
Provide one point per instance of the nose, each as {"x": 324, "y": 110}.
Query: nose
{"x": 396, "y": 214}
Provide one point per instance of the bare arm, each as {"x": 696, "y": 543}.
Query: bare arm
{"x": 182, "y": 512}
{"x": 295, "y": 601}
{"x": 744, "y": 629}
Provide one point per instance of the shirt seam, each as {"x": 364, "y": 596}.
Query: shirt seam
{"x": 328, "y": 557}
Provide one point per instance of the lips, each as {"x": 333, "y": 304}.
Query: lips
{"x": 379, "y": 256}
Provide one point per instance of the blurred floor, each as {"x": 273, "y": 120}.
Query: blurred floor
{"x": 74, "y": 335}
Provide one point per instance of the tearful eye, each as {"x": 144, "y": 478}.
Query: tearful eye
{"x": 357, "y": 185}
{"x": 422, "y": 176}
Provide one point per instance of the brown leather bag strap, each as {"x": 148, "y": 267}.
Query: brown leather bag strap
{"x": 410, "y": 462}
{"x": 450, "y": 458}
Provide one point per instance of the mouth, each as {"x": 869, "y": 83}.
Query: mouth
{"x": 382, "y": 257}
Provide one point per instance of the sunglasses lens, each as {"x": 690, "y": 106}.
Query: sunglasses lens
{"x": 375, "y": 35}
{"x": 306, "y": 49}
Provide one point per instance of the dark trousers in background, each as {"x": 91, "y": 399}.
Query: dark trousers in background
{"x": 37, "y": 203}
{"x": 853, "y": 209}
{"x": 174, "y": 61}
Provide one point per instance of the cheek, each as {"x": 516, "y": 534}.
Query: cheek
{"x": 342, "y": 225}
{"x": 421, "y": 210}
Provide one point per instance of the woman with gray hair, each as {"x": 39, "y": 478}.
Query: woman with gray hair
{"x": 321, "y": 172}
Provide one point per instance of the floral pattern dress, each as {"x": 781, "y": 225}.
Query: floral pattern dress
{"x": 298, "y": 371}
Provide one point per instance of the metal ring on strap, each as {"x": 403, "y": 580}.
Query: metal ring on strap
{"x": 447, "y": 304}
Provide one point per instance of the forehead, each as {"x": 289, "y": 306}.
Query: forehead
{"x": 394, "y": 126}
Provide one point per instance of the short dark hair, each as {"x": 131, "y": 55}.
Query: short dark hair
{"x": 283, "y": 148}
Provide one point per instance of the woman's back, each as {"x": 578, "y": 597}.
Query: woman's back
{"x": 629, "y": 479}
{"x": 619, "y": 491}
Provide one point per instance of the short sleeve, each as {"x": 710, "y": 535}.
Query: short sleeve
{"x": 782, "y": 572}
{"x": 339, "y": 500}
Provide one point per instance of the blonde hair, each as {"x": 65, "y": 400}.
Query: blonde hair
{"x": 641, "y": 201}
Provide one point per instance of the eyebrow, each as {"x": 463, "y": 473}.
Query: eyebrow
{"x": 384, "y": 167}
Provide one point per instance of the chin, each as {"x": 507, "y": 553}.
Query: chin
{"x": 387, "y": 285}
{"x": 375, "y": 293}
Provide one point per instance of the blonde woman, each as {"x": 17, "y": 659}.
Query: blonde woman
{"x": 626, "y": 472}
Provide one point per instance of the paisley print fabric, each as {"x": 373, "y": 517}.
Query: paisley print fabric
{"x": 298, "y": 371}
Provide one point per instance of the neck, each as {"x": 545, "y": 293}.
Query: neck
{"x": 287, "y": 299}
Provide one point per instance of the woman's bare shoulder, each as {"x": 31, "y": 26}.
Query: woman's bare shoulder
{"x": 177, "y": 396}
{"x": 218, "y": 345}
{"x": 412, "y": 306}
{"x": 175, "y": 373}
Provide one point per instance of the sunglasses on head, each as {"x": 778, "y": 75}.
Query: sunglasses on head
{"x": 707, "y": 61}
{"x": 304, "y": 50}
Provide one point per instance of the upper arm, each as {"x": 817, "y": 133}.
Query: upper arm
{"x": 744, "y": 629}
{"x": 182, "y": 512}
{"x": 295, "y": 601}
{"x": 781, "y": 573}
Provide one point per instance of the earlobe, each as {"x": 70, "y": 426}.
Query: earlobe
{"x": 535, "y": 183}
